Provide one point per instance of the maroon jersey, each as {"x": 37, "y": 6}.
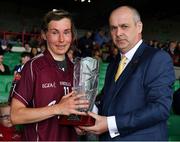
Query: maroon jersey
{"x": 42, "y": 84}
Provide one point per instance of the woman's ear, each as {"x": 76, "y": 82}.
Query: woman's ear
{"x": 43, "y": 35}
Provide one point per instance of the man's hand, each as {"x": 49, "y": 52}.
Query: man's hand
{"x": 100, "y": 126}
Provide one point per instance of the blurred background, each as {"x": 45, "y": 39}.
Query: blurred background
{"x": 161, "y": 18}
{"x": 20, "y": 39}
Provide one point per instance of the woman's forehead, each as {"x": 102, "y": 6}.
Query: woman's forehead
{"x": 63, "y": 23}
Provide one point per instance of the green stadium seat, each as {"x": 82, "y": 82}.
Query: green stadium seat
{"x": 2, "y": 86}
{"x": 8, "y": 86}
{"x": 174, "y": 138}
{"x": 4, "y": 97}
{"x": 173, "y": 127}
{"x": 5, "y": 83}
{"x": 176, "y": 85}
{"x": 102, "y": 73}
{"x": 11, "y": 59}
{"x": 104, "y": 65}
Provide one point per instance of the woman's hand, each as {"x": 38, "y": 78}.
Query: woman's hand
{"x": 70, "y": 104}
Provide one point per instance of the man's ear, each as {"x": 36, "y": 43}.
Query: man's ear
{"x": 140, "y": 26}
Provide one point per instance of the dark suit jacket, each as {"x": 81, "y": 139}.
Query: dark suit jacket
{"x": 141, "y": 98}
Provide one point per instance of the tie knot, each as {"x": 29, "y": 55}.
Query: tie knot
{"x": 123, "y": 57}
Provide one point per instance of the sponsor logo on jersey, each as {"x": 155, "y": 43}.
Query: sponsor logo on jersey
{"x": 63, "y": 83}
{"x": 49, "y": 85}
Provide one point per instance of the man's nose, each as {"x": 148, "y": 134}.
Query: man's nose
{"x": 119, "y": 31}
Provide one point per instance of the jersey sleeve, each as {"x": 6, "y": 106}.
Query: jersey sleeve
{"x": 23, "y": 89}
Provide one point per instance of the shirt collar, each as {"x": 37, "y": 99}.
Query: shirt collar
{"x": 131, "y": 52}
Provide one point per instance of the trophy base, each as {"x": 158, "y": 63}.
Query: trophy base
{"x": 77, "y": 120}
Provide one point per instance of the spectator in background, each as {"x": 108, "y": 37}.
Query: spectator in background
{"x": 34, "y": 52}
{"x": 173, "y": 52}
{"x": 97, "y": 55}
{"x": 100, "y": 37}
{"x": 42, "y": 47}
{"x": 4, "y": 69}
{"x": 25, "y": 56}
{"x": 113, "y": 54}
{"x": 1, "y": 49}
{"x": 150, "y": 43}
{"x": 8, "y": 132}
{"x": 27, "y": 47}
{"x": 71, "y": 55}
{"x": 85, "y": 44}
{"x": 33, "y": 42}
{"x": 73, "y": 52}
{"x": 176, "y": 57}
{"x": 8, "y": 48}
{"x": 5, "y": 115}
{"x": 171, "y": 48}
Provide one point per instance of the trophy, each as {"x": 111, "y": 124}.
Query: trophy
{"x": 85, "y": 81}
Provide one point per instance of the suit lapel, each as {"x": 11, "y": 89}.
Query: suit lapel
{"x": 124, "y": 76}
{"x": 129, "y": 69}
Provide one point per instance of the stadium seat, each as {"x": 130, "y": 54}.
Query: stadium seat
{"x": 2, "y": 86}
{"x": 102, "y": 73}
{"x": 4, "y": 97}
{"x": 176, "y": 85}
{"x": 173, "y": 127}
{"x": 8, "y": 86}
{"x": 12, "y": 59}
{"x": 5, "y": 83}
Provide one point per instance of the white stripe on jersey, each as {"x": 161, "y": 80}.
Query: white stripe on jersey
{"x": 20, "y": 97}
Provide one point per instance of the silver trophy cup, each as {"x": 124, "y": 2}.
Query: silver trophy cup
{"x": 86, "y": 76}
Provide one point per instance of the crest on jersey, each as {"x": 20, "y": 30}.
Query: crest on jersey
{"x": 17, "y": 77}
